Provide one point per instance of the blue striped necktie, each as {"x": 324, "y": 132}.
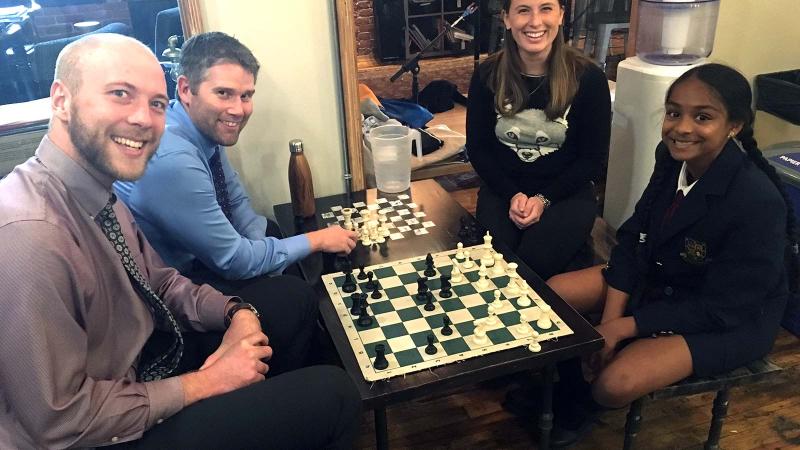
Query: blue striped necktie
{"x": 220, "y": 188}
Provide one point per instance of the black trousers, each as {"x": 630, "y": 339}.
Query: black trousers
{"x": 550, "y": 244}
{"x": 311, "y": 407}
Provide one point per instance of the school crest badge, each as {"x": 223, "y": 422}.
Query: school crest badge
{"x": 694, "y": 252}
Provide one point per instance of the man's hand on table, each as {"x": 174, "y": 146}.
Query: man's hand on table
{"x": 333, "y": 239}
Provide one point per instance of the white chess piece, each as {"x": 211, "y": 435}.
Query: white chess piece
{"x": 468, "y": 264}
{"x": 479, "y": 335}
{"x": 497, "y": 267}
{"x": 492, "y": 320}
{"x": 511, "y": 268}
{"x": 487, "y": 241}
{"x": 497, "y": 302}
{"x": 534, "y": 346}
{"x": 384, "y": 230}
{"x": 455, "y": 275}
{"x": 512, "y": 287}
{"x": 523, "y": 287}
{"x": 348, "y": 222}
{"x": 544, "y": 321}
{"x": 487, "y": 260}
{"x": 523, "y": 328}
{"x": 483, "y": 281}
{"x": 523, "y": 301}
{"x": 460, "y": 252}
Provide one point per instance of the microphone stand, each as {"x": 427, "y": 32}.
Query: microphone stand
{"x": 412, "y": 65}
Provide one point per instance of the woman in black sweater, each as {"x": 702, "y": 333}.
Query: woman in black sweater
{"x": 538, "y": 126}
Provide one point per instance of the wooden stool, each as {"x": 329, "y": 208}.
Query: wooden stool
{"x": 755, "y": 371}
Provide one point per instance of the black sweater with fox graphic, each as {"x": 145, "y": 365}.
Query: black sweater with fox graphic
{"x": 527, "y": 152}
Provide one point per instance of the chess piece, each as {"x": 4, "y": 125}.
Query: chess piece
{"x": 534, "y": 346}
{"x": 455, "y": 275}
{"x": 349, "y": 285}
{"x": 446, "y": 330}
{"x": 380, "y": 239}
{"x": 429, "y": 306}
{"x": 497, "y": 268}
{"x": 430, "y": 349}
{"x": 348, "y": 221}
{"x": 486, "y": 259}
{"x": 511, "y": 268}
{"x": 364, "y": 319}
{"x": 479, "y": 335}
{"x": 523, "y": 328}
{"x": 523, "y": 287}
{"x": 512, "y": 288}
{"x": 376, "y": 291}
{"x": 355, "y": 301}
{"x": 544, "y": 322}
{"x": 492, "y": 320}
{"x": 429, "y": 270}
{"x": 361, "y": 274}
{"x": 370, "y": 284}
{"x": 446, "y": 291}
{"x": 497, "y": 304}
{"x": 487, "y": 241}
{"x": 460, "y": 252}
{"x": 523, "y": 301}
{"x": 422, "y": 289}
{"x": 383, "y": 228}
{"x": 483, "y": 280}
{"x": 380, "y": 362}
{"x": 468, "y": 264}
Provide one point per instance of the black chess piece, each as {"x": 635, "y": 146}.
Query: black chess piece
{"x": 446, "y": 330}
{"x": 431, "y": 349}
{"x": 361, "y": 274}
{"x": 370, "y": 284}
{"x": 446, "y": 291}
{"x": 349, "y": 284}
{"x": 422, "y": 289}
{"x": 376, "y": 291}
{"x": 356, "y": 299}
{"x": 364, "y": 319}
{"x": 429, "y": 270}
{"x": 380, "y": 362}
{"x": 429, "y": 306}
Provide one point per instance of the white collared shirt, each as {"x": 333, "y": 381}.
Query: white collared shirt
{"x": 683, "y": 184}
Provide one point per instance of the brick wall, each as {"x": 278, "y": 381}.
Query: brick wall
{"x": 365, "y": 27}
{"x": 54, "y": 22}
{"x": 456, "y": 70}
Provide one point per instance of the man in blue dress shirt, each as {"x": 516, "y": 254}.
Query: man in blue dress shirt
{"x": 190, "y": 202}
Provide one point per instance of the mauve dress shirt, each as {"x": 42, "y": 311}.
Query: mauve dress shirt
{"x": 73, "y": 325}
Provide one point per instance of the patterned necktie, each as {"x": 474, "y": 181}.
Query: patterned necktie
{"x": 670, "y": 212}
{"x": 163, "y": 365}
{"x": 219, "y": 183}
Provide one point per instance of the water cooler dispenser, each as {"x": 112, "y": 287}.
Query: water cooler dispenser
{"x": 672, "y": 37}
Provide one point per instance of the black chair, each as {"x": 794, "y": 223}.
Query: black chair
{"x": 143, "y": 18}
{"x": 43, "y": 56}
{"x": 168, "y": 23}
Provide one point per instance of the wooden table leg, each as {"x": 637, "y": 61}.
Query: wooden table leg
{"x": 381, "y": 430}
{"x": 546, "y": 418}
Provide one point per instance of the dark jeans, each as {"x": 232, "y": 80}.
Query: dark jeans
{"x": 550, "y": 244}
{"x": 311, "y": 407}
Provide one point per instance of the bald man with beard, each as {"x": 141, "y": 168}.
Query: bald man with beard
{"x": 102, "y": 343}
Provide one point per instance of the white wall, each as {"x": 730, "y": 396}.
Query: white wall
{"x": 297, "y": 93}
{"x": 761, "y": 36}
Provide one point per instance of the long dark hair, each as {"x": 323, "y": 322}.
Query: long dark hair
{"x": 565, "y": 66}
{"x": 733, "y": 90}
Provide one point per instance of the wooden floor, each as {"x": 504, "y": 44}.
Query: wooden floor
{"x": 762, "y": 416}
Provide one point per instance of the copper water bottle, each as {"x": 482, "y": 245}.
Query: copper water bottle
{"x": 301, "y": 187}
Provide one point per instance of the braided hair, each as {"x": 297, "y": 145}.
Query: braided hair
{"x": 733, "y": 91}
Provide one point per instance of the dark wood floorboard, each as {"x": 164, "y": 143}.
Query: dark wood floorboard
{"x": 761, "y": 416}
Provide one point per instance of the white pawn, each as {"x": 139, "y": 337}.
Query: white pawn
{"x": 487, "y": 241}
{"x": 497, "y": 267}
{"x": 512, "y": 287}
{"x": 523, "y": 301}
{"x": 523, "y": 328}
{"x": 544, "y": 321}
{"x": 468, "y": 262}
{"x": 455, "y": 275}
{"x": 483, "y": 281}
{"x": 523, "y": 288}
{"x": 534, "y": 346}
{"x": 497, "y": 304}
{"x": 479, "y": 335}
{"x": 492, "y": 319}
{"x": 460, "y": 252}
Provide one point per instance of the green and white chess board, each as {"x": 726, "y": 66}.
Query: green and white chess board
{"x": 402, "y": 325}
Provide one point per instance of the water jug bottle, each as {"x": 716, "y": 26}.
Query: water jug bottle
{"x": 391, "y": 154}
{"x": 301, "y": 186}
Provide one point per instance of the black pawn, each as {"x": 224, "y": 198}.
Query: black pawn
{"x": 446, "y": 292}
{"x": 446, "y": 330}
{"x": 370, "y": 284}
{"x": 361, "y": 274}
{"x": 349, "y": 284}
{"x": 430, "y": 349}
{"x": 380, "y": 357}
{"x": 364, "y": 319}
{"x": 429, "y": 306}
{"x": 429, "y": 270}
{"x": 376, "y": 291}
{"x": 356, "y": 300}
